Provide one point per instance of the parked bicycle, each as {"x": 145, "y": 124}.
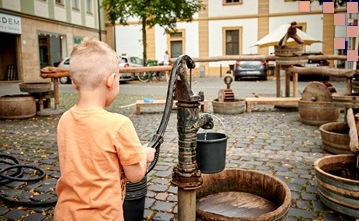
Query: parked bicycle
{"x": 147, "y": 76}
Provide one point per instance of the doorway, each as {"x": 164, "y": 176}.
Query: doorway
{"x": 8, "y": 55}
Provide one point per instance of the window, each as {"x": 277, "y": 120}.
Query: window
{"x": 59, "y": 2}
{"x": 176, "y": 43}
{"x": 89, "y": 6}
{"x": 232, "y": 43}
{"x": 227, "y": 2}
{"x": 75, "y": 4}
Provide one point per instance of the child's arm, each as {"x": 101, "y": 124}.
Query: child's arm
{"x": 136, "y": 172}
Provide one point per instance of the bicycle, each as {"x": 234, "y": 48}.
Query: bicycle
{"x": 147, "y": 76}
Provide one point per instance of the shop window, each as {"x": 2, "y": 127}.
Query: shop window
{"x": 51, "y": 48}
{"x": 232, "y": 41}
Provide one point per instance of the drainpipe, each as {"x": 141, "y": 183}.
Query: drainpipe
{"x": 99, "y": 19}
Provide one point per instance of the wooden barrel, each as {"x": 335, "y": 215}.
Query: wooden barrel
{"x": 17, "y": 106}
{"x": 237, "y": 106}
{"x": 335, "y": 137}
{"x": 288, "y": 51}
{"x": 338, "y": 184}
{"x": 237, "y": 194}
{"x": 317, "y": 113}
{"x": 355, "y": 86}
{"x": 346, "y": 101}
{"x": 36, "y": 87}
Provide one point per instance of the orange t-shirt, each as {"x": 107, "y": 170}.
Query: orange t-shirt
{"x": 93, "y": 146}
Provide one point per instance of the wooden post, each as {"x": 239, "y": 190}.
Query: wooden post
{"x": 287, "y": 83}
{"x": 295, "y": 84}
{"x": 277, "y": 77}
{"x": 348, "y": 86}
{"x": 56, "y": 92}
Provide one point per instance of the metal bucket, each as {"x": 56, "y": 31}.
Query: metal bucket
{"x": 134, "y": 204}
{"x": 246, "y": 195}
{"x": 338, "y": 184}
{"x": 211, "y": 152}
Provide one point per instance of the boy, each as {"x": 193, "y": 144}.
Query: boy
{"x": 98, "y": 150}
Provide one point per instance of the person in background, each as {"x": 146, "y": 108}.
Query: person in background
{"x": 166, "y": 61}
{"x": 98, "y": 150}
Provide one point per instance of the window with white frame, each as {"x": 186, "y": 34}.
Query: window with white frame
{"x": 89, "y": 6}
{"x": 75, "y": 4}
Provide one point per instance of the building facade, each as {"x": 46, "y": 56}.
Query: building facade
{"x": 229, "y": 27}
{"x": 39, "y": 33}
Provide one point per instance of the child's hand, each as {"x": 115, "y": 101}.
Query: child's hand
{"x": 150, "y": 153}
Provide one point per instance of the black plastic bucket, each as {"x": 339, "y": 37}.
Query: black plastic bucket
{"x": 211, "y": 152}
{"x": 134, "y": 204}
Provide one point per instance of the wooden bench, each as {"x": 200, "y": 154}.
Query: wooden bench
{"x": 279, "y": 101}
{"x": 156, "y": 103}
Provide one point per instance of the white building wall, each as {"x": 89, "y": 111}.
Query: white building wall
{"x": 216, "y": 8}
{"x": 280, "y": 6}
{"x": 60, "y": 13}
{"x": 90, "y": 21}
{"x": 129, "y": 40}
{"x": 160, "y": 43}
{"x": 41, "y": 9}
{"x": 12, "y": 5}
{"x": 76, "y": 17}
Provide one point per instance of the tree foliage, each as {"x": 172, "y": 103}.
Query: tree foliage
{"x": 165, "y": 13}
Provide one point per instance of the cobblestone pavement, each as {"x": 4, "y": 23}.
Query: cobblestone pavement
{"x": 270, "y": 140}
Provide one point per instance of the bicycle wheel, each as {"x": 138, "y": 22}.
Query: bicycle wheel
{"x": 144, "y": 76}
{"x": 161, "y": 76}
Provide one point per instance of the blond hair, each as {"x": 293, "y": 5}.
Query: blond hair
{"x": 91, "y": 62}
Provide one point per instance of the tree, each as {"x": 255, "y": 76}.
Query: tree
{"x": 165, "y": 13}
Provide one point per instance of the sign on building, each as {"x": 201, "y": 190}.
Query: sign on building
{"x": 10, "y": 24}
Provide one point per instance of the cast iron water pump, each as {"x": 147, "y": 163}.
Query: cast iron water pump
{"x": 186, "y": 174}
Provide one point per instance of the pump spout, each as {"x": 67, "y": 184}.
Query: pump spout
{"x": 205, "y": 122}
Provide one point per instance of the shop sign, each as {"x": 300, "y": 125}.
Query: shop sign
{"x": 10, "y": 24}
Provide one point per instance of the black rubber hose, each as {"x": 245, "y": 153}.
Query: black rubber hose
{"x": 13, "y": 161}
{"x": 18, "y": 176}
{"x": 157, "y": 139}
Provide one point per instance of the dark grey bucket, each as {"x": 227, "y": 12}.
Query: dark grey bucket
{"x": 211, "y": 152}
{"x": 134, "y": 204}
